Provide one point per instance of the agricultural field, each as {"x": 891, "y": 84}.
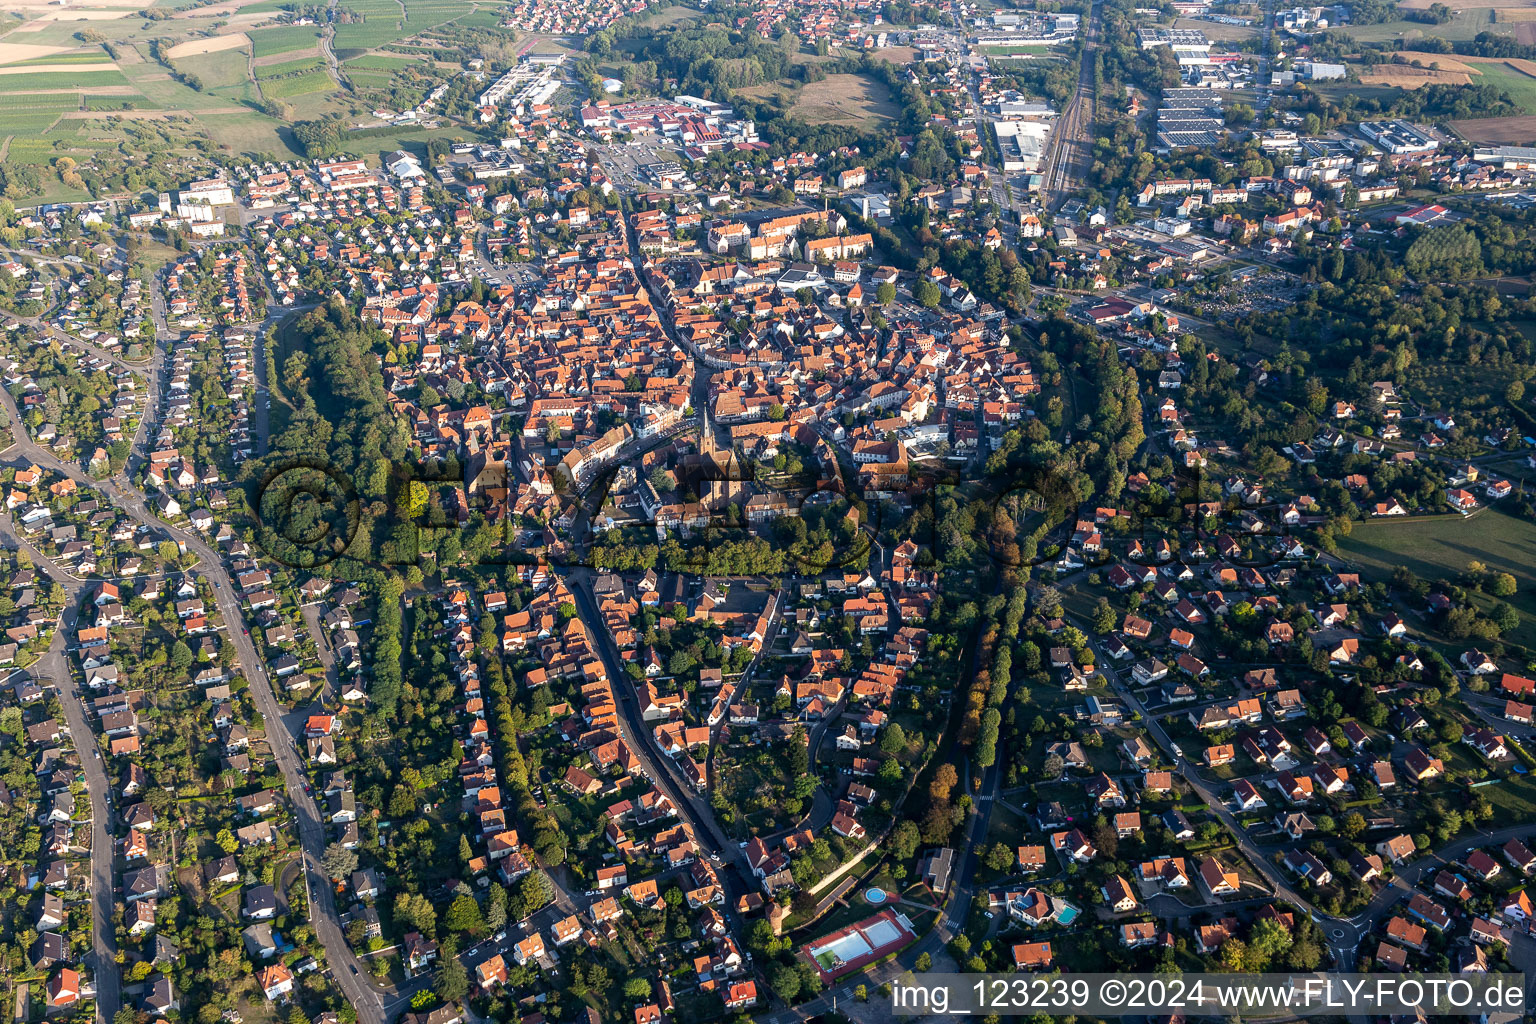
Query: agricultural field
{"x": 383, "y": 23}
{"x": 284, "y": 39}
{"x": 388, "y": 21}
{"x": 56, "y": 81}
{"x": 28, "y": 114}
{"x": 289, "y": 67}
{"x": 1423, "y": 5}
{"x": 1498, "y": 131}
{"x": 93, "y": 56}
{"x": 263, "y": 7}
{"x": 1405, "y": 76}
{"x": 216, "y": 44}
{"x": 298, "y": 85}
{"x": 380, "y": 62}
{"x": 368, "y": 36}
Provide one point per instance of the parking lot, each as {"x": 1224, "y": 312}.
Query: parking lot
{"x": 623, "y": 161}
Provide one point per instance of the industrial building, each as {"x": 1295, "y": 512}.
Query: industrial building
{"x": 1398, "y": 136}
{"x": 1510, "y": 158}
{"x": 1022, "y": 144}
{"x": 1189, "y": 45}
{"x": 1189, "y": 117}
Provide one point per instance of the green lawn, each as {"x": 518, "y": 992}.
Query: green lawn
{"x": 166, "y": 92}
{"x": 1440, "y": 548}
{"x": 132, "y": 101}
{"x": 1463, "y": 25}
{"x": 1520, "y": 86}
{"x": 250, "y": 133}
{"x": 221, "y": 70}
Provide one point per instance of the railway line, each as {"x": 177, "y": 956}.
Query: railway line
{"x": 1070, "y": 144}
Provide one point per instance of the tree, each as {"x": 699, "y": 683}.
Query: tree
{"x": 785, "y": 981}
{"x": 464, "y": 915}
{"x": 1232, "y": 956}
{"x": 319, "y": 138}
{"x": 927, "y": 294}
{"x": 998, "y": 857}
{"x": 1452, "y": 252}
{"x": 905, "y": 838}
{"x": 1268, "y": 941}
{"x": 637, "y": 990}
{"x": 415, "y": 911}
{"x": 537, "y": 891}
{"x": 452, "y": 980}
{"x": 338, "y": 862}
{"x": 1503, "y": 585}
{"x": 799, "y": 761}
{"x": 945, "y": 778}
{"x": 885, "y": 294}
{"x": 181, "y": 658}
{"x": 1103, "y": 618}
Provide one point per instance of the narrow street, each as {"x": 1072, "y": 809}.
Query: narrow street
{"x": 636, "y": 734}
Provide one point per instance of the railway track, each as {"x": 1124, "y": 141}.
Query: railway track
{"x": 1070, "y": 146}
